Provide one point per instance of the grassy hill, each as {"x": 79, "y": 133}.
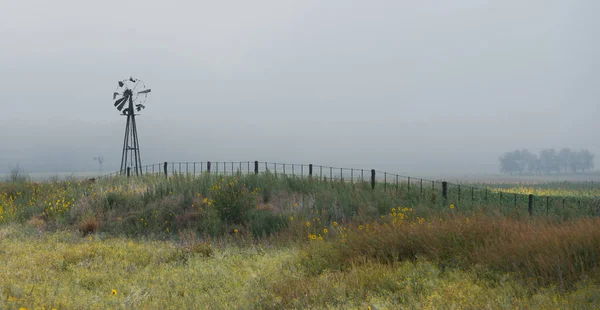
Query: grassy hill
{"x": 266, "y": 241}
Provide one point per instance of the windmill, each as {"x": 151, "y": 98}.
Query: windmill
{"x": 100, "y": 160}
{"x": 131, "y": 94}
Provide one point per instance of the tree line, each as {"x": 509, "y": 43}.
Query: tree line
{"x": 548, "y": 161}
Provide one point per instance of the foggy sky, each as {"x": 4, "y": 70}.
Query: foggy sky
{"x": 406, "y": 86}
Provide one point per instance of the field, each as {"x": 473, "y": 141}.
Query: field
{"x": 265, "y": 241}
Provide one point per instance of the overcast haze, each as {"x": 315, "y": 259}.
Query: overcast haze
{"x": 413, "y": 87}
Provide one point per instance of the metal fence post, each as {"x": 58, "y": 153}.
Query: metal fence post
{"x": 166, "y": 168}
{"x": 256, "y": 167}
{"x": 530, "y": 205}
{"x": 128, "y": 171}
{"x": 208, "y": 166}
{"x": 385, "y": 181}
{"x": 372, "y": 179}
{"x": 445, "y": 190}
{"x": 310, "y": 167}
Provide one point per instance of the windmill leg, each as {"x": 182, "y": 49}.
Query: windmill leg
{"x": 131, "y": 150}
{"x": 125, "y": 144}
{"x": 136, "y": 146}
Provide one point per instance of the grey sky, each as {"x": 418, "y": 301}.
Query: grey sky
{"x": 407, "y": 86}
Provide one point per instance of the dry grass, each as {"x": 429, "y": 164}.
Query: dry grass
{"x": 539, "y": 252}
{"x": 88, "y": 225}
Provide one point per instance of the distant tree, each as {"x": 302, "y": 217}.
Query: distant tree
{"x": 587, "y": 160}
{"x": 564, "y": 156}
{"x": 549, "y": 161}
{"x": 507, "y": 163}
{"x": 512, "y": 162}
{"x": 575, "y": 162}
{"x": 530, "y": 161}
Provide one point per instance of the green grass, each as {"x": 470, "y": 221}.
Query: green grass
{"x": 66, "y": 271}
{"x": 266, "y": 241}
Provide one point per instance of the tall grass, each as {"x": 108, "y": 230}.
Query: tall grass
{"x": 334, "y": 245}
{"x": 540, "y": 252}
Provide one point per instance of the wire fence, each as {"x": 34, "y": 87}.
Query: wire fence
{"x": 418, "y": 189}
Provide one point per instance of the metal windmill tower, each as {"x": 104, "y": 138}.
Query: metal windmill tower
{"x": 132, "y": 94}
{"x": 100, "y": 160}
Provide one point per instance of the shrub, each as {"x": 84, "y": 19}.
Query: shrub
{"x": 88, "y": 225}
{"x": 264, "y": 222}
{"x": 232, "y": 199}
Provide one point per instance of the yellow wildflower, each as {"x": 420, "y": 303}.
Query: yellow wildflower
{"x": 291, "y": 218}
{"x": 307, "y": 224}
{"x": 114, "y": 292}
{"x": 325, "y": 230}
{"x": 451, "y": 206}
{"x": 236, "y": 230}
{"x": 335, "y": 224}
{"x": 296, "y": 204}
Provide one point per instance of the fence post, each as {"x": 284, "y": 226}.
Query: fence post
{"x": 445, "y": 189}
{"x": 310, "y": 170}
{"x": 372, "y": 179}
{"x": 128, "y": 172}
{"x": 385, "y": 181}
{"x": 256, "y": 167}
{"x": 459, "y": 193}
{"x": 408, "y": 184}
{"x": 530, "y": 205}
{"x": 547, "y": 204}
{"x": 165, "y": 168}
{"x": 208, "y": 164}
{"x": 515, "y": 199}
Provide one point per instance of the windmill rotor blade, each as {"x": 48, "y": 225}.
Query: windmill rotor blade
{"x": 145, "y": 91}
{"x": 120, "y": 101}
{"x": 120, "y": 107}
{"x": 115, "y": 94}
